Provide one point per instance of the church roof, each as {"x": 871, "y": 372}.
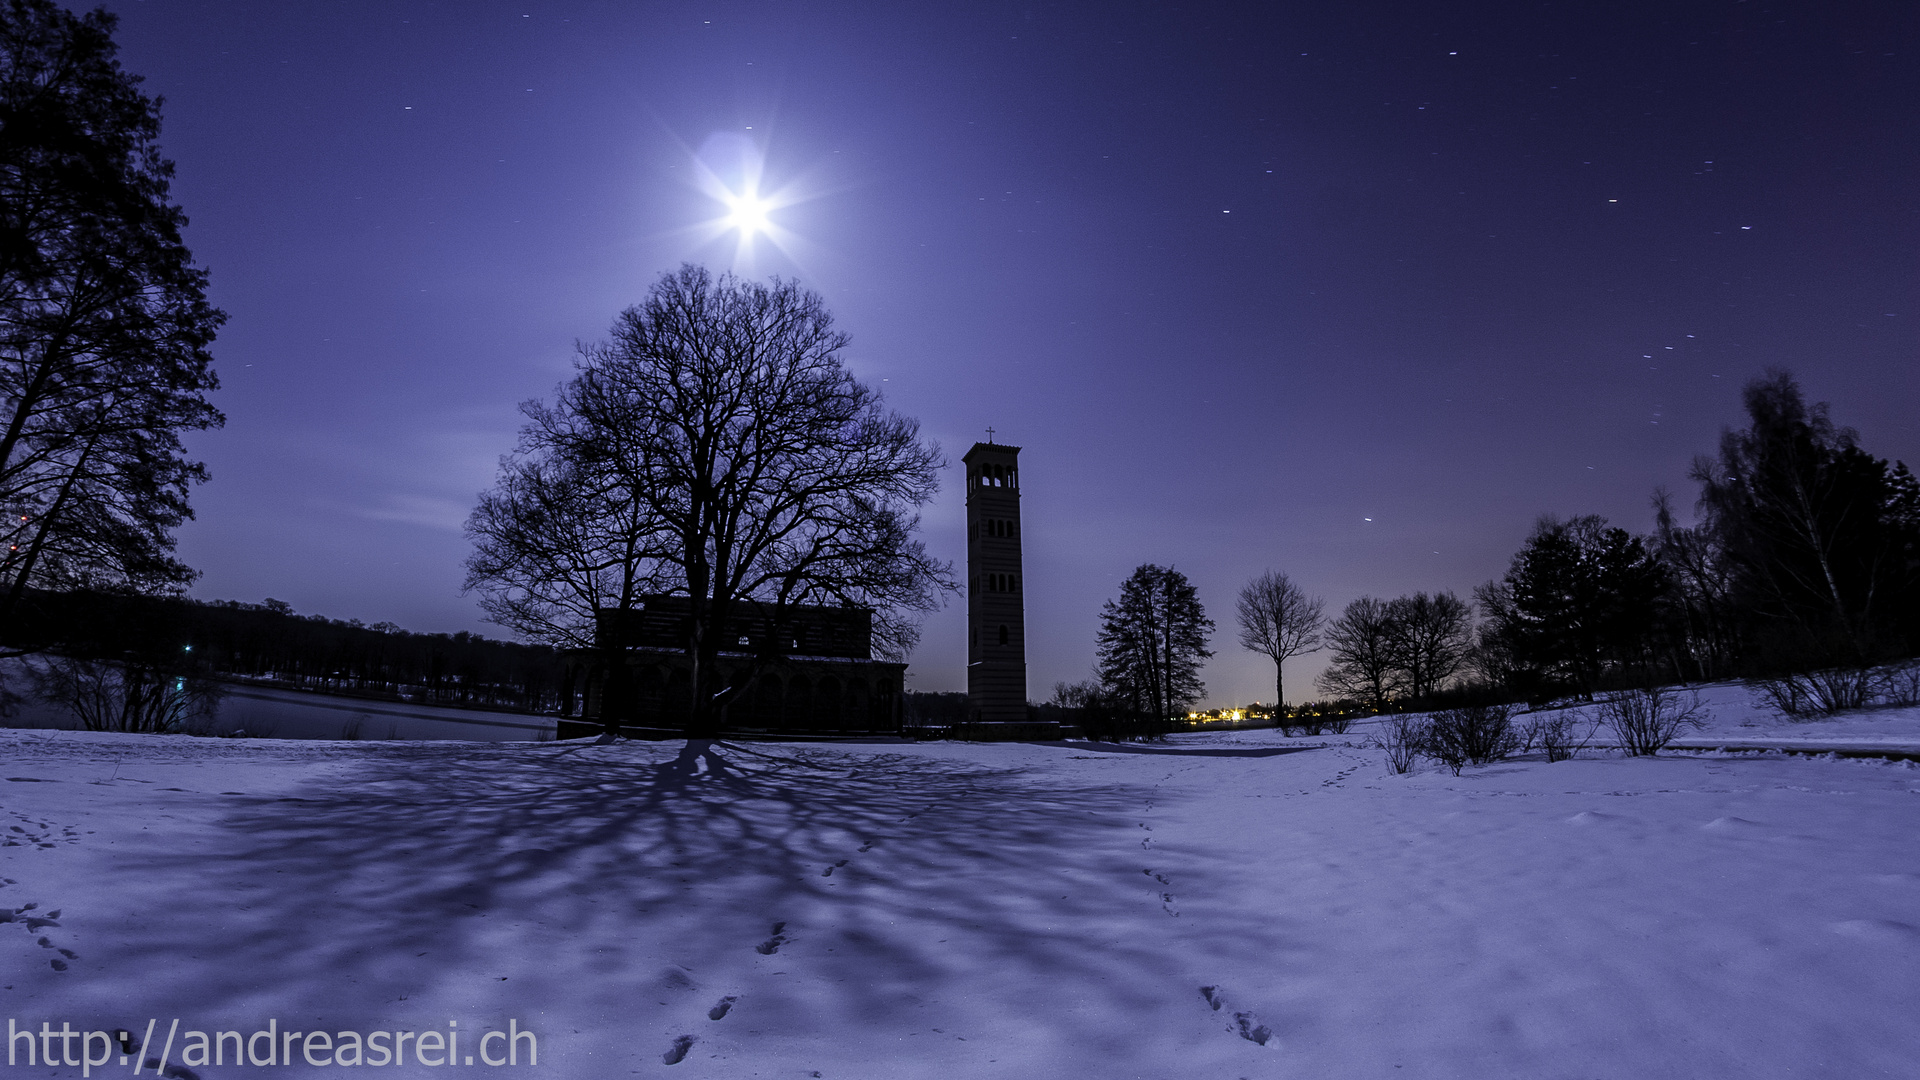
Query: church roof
{"x": 998, "y": 448}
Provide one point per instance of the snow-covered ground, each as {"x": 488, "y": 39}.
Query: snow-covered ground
{"x": 1731, "y": 715}
{"x": 954, "y": 910}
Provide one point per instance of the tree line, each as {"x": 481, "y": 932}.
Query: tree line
{"x": 1801, "y": 573}
{"x": 119, "y": 647}
{"x": 1804, "y": 559}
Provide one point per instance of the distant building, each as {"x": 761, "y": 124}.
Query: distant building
{"x": 996, "y": 613}
{"x": 805, "y": 671}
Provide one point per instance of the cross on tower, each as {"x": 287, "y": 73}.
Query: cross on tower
{"x": 989, "y": 434}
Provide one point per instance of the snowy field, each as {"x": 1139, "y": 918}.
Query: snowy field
{"x": 954, "y": 910}
{"x": 1732, "y": 716}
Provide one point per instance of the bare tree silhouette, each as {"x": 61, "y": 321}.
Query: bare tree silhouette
{"x": 1280, "y": 621}
{"x": 714, "y": 447}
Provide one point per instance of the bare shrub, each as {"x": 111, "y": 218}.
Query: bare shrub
{"x": 1314, "y": 718}
{"x": 108, "y": 696}
{"x": 1319, "y": 724}
{"x": 1471, "y": 735}
{"x": 1403, "y": 738}
{"x": 1646, "y": 720}
{"x": 1901, "y": 684}
{"x": 1559, "y": 735}
{"x": 1821, "y": 693}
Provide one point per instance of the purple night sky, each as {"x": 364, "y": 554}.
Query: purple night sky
{"x": 1354, "y": 291}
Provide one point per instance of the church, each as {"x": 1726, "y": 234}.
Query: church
{"x": 804, "y": 671}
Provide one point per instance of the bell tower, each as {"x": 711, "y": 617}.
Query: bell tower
{"x": 996, "y": 611}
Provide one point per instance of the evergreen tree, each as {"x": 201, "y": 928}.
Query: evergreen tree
{"x": 1581, "y": 595}
{"x": 1152, "y": 640}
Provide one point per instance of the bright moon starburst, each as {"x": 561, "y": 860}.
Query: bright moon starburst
{"x": 747, "y": 212}
{"x": 729, "y": 169}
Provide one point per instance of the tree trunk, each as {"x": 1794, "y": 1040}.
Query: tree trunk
{"x": 48, "y": 521}
{"x": 616, "y": 692}
{"x": 703, "y": 719}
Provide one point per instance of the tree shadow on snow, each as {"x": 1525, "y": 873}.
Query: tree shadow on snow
{"x": 523, "y": 876}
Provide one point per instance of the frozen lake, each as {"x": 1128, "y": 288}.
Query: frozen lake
{"x": 269, "y": 712}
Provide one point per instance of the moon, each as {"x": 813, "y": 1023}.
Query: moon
{"x": 747, "y": 212}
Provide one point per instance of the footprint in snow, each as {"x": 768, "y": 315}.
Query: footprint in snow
{"x": 721, "y": 1008}
{"x": 1245, "y": 1023}
{"x": 772, "y": 944}
{"x": 675, "y": 978}
{"x": 678, "y": 1051}
{"x": 1251, "y": 1029}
